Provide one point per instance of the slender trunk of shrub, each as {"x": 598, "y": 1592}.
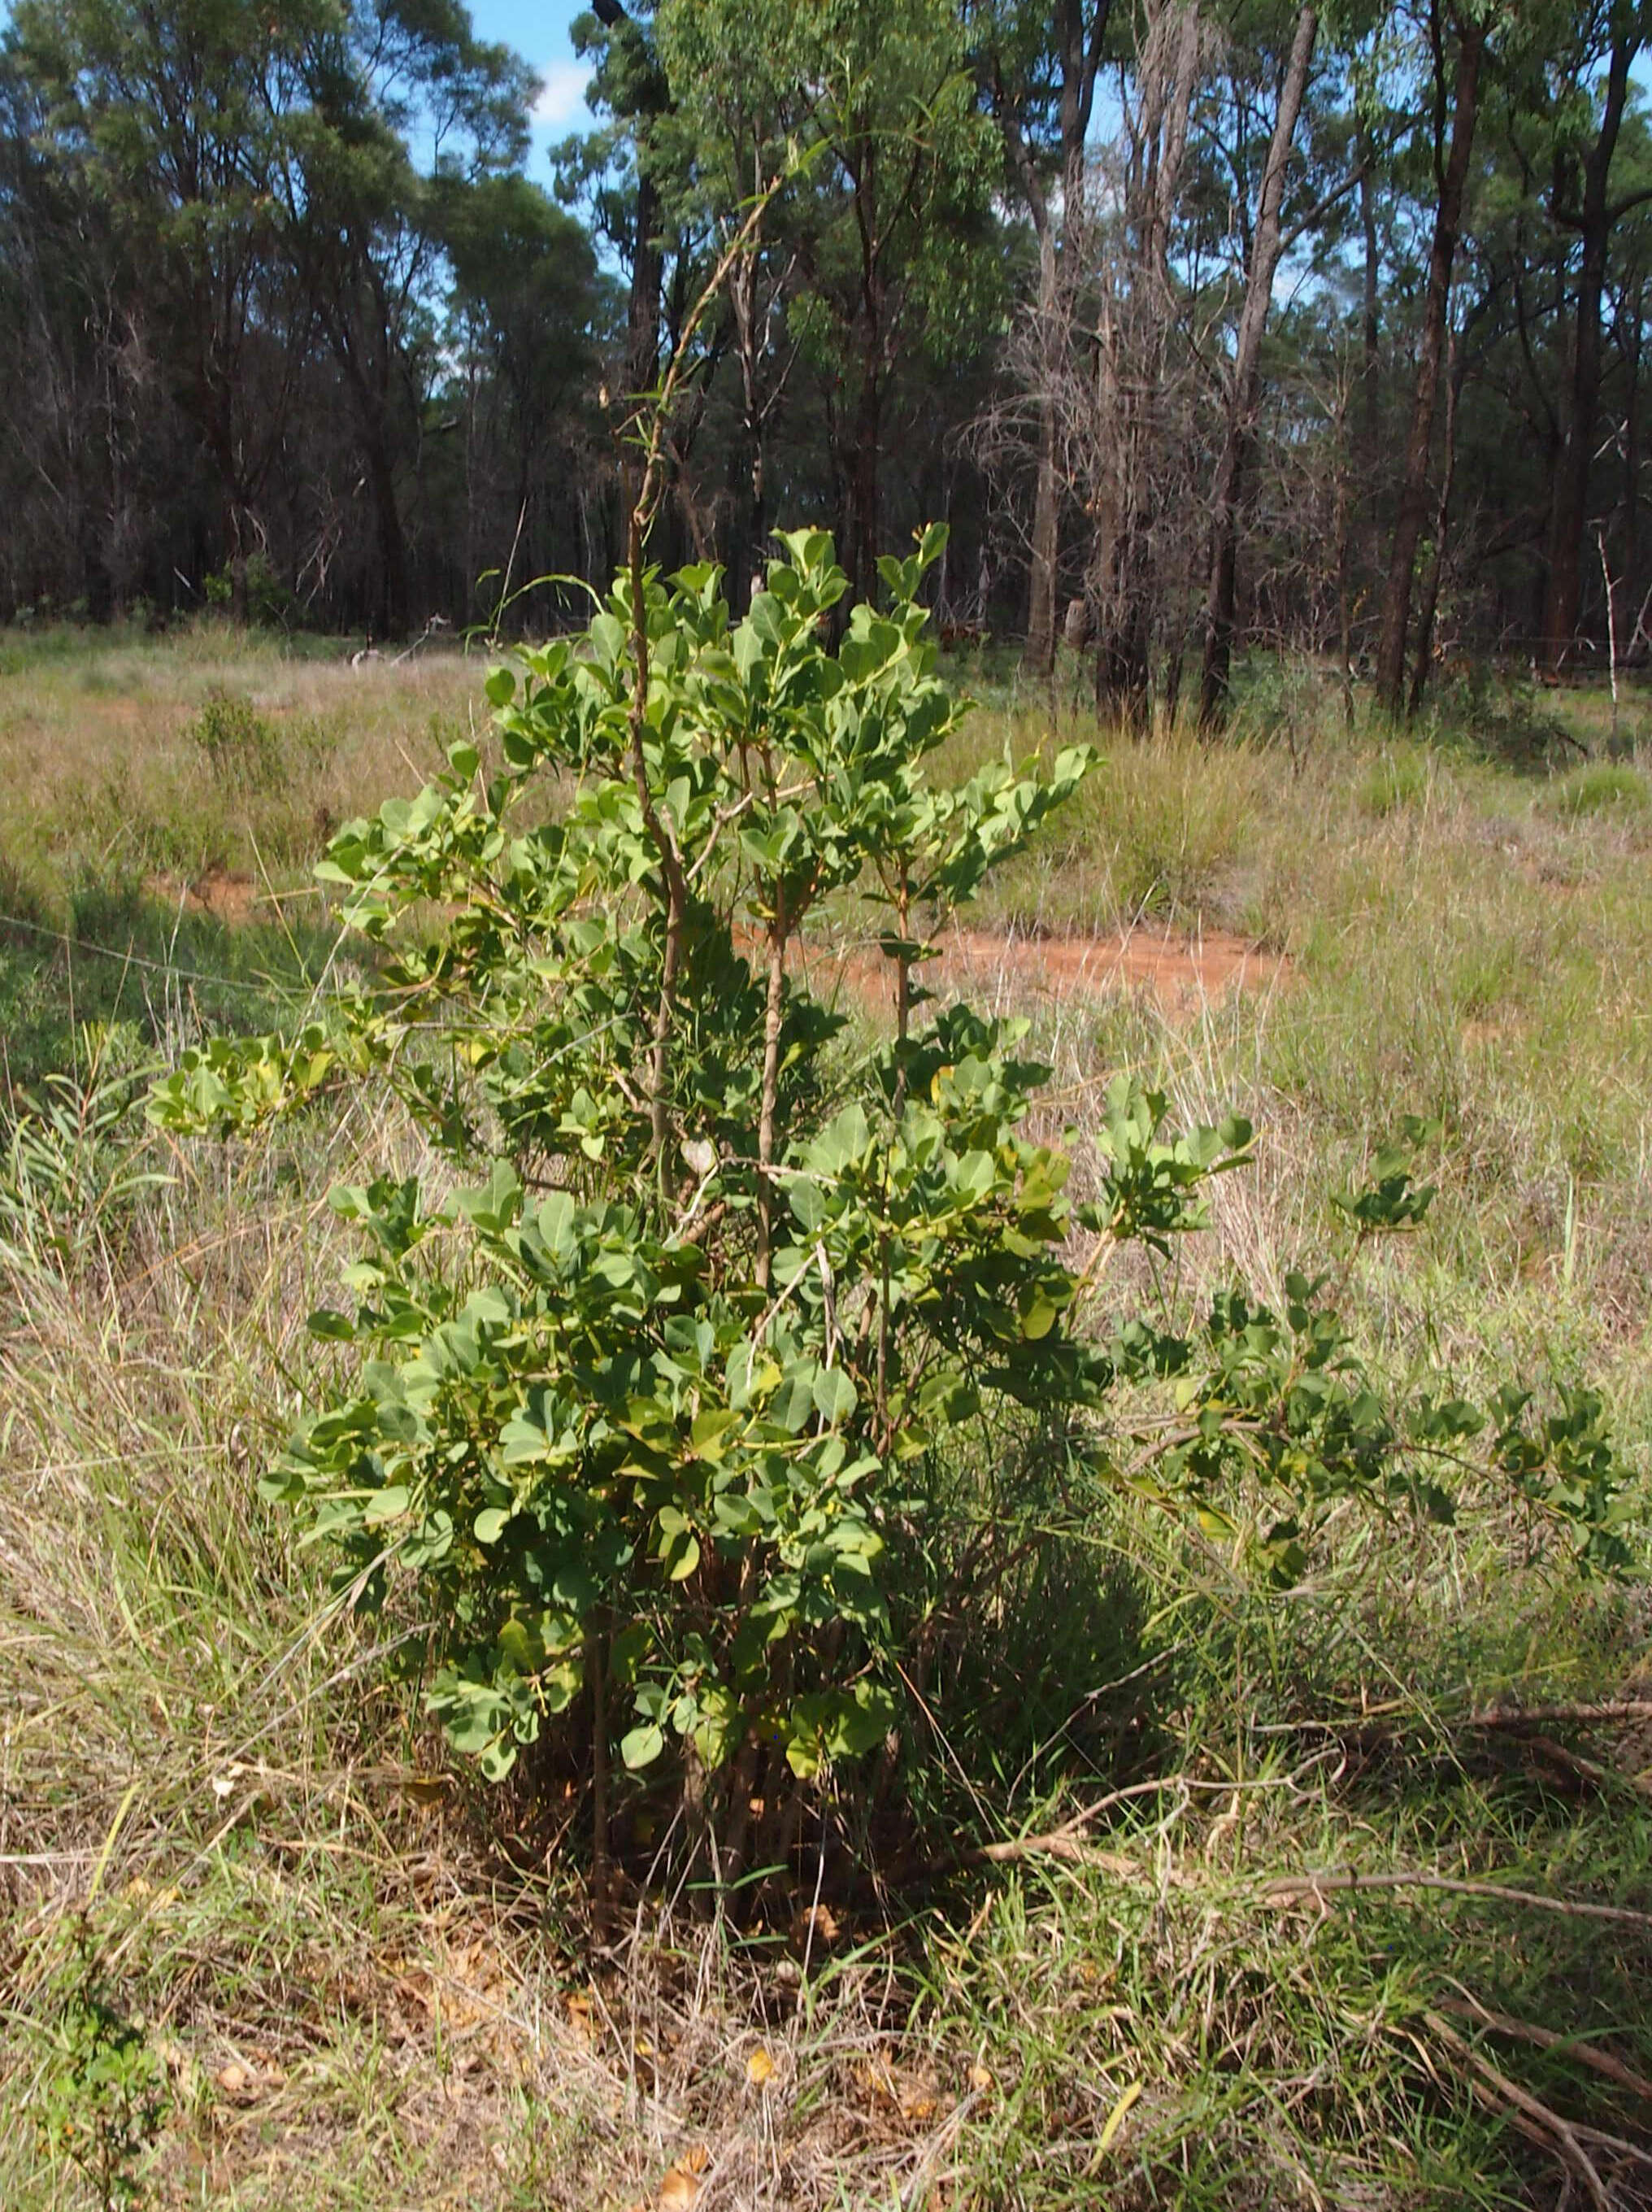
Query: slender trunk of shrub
{"x": 770, "y": 1086}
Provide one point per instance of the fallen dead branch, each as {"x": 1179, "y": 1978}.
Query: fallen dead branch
{"x": 1535, "y": 2119}
{"x": 1586, "y": 2054}
{"x": 1393, "y": 1718}
{"x": 1567, "y": 2138}
{"x": 1345, "y": 1881}
{"x": 1587, "y": 1769}
{"x": 1067, "y": 1841}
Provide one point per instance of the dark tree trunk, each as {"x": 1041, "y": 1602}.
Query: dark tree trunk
{"x": 1079, "y": 26}
{"x": 651, "y": 99}
{"x": 1227, "y": 492}
{"x": 1429, "y": 606}
{"x": 1412, "y": 517}
{"x": 1632, "y": 447}
{"x": 1371, "y": 323}
{"x": 642, "y": 312}
{"x": 1123, "y": 657}
{"x": 388, "y": 533}
{"x": 1370, "y": 433}
{"x": 1569, "y": 505}
{"x": 865, "y": 491}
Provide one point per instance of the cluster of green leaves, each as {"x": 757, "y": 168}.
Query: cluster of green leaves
{"x": 654, "y": 1398}
{"x": 104, "y": 2089}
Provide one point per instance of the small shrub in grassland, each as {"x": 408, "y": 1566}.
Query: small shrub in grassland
{"x": 737, "y": 1392}
{"x": 267, "y": 601}
{"x": 104, "y": 2091}
{"x": 1289, "y": 701}
{"x": 238, "y": 741}
{"x": 1499, "y": 719}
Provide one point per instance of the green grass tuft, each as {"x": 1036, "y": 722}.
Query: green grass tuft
{"x": 1598, "y": 788}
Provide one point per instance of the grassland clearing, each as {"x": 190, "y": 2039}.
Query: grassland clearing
{"x": 366, "y": 1982}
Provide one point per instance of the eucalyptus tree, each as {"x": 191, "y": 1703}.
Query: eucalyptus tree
{"x": 617, "y": 168}
{"x": 1136, "y": 426}
{"x": 1268, "y": 243}
{"x": 528, "y": 318}
{"x": 1456, "y": 40}
{"x": 364, "y": 217}
{"x": 1586, "y": 200}
{"x": 730, "y": 133}
{"x": 890, "y": 238}
{"x": 180, "y": 122}
{"x": 1040, "y": 67}
{"x": 73, "y": 431}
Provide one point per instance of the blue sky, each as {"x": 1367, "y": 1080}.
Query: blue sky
{"x": 539, "y": 31}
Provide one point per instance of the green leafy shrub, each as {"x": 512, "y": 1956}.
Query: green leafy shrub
{"x": 1499, "y": 718}
{"x": 1286, "y": 699}
{"x": 735, "y": 1370}
{"x": 239, "y": 742}
{"x": 104, "y": 2090}
{"x": 270, "y": 605}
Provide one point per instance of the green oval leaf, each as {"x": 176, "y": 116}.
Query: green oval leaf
{"x": 643, "y": 1746}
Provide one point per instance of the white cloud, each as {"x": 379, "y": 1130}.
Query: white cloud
{"x": 561, "y": 96}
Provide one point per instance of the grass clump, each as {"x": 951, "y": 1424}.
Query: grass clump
{"x": 1599, "y": 788}
{"x": 1153, "y": 836}
{"x": 1400, "y": 777}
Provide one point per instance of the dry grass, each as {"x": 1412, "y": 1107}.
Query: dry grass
{"x": 365, "y": 1984}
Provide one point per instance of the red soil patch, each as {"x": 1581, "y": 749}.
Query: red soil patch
{"x": 1180, "y": 975}
{"x": 227, "y": 897}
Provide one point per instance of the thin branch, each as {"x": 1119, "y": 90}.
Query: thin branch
{"x": 1333, "y": 1880}
{"x": 1468, "y": 2007}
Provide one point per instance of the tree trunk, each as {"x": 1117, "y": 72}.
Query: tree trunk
{"x": 1369, "y": 434}
{"x": 1569, "y": 505}
{"x": 1046, "y": 548}
{"x": 1430, "y": 605}
{"x": 1412, "y": 516}
{"x": 1632, "y": 449}
{"x": 1128, "y": 389}
{"x": 1079, "y": 31}
{"x": 1371, "y": 323}
{"x": 1227, "y": 493}
{"x": 750, "y": 533}
{"x": 642, "y": 312}
{"x": 387, "y": 529}
{"x": 865, "y": 488}
{"x": 1345, "y": 607}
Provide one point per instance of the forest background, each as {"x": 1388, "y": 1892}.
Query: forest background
{"x": 1203, "y": 328}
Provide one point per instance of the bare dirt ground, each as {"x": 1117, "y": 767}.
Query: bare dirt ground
{"x": 1179, "y": 973}
{"x": 226, "y": 897}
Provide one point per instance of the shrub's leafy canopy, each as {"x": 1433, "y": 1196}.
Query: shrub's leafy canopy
{"x": 654, "y": 1406}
